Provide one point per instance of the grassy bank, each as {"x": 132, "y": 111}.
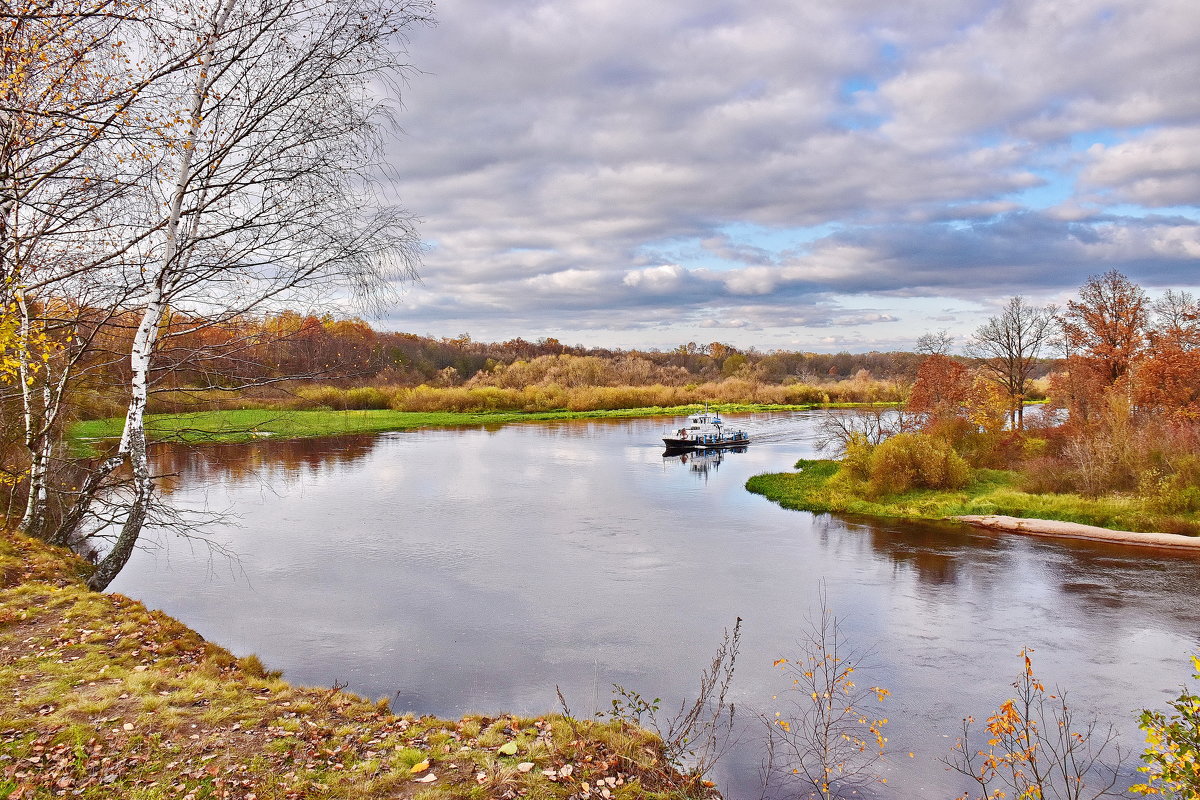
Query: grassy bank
{"x": 104, "y": 698}
{"x": 812, "y": 488}
{"x": 250, "y": 424}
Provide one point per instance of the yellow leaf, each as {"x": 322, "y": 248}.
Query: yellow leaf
{"x": 420, "y": 766}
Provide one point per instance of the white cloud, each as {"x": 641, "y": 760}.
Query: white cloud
{"x": 1158, "y": 168}
{"x": 656, "y": 280}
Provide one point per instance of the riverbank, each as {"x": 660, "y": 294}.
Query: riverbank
{"x": 246, "y": 425}
{"x": 105, "y": 698}
{"x": 991, "y": 494}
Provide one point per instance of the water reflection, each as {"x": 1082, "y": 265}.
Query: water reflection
{"x": 700, "y": 462}
{"x": 473, "y": 570}
{"x": 930, "y": 550}
{"x": 263, "y": 462}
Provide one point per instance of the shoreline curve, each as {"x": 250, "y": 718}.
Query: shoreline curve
{"x": 1075, "y": 530}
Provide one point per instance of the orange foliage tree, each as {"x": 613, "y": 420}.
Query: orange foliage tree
{"x": 942, "y": 388}
{"x": 1168, "y": 382}
{"x": 1108, "y": 323}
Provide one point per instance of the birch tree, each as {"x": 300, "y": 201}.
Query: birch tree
{"x": 67, "y": 86}
{"x": 262, "y": 192}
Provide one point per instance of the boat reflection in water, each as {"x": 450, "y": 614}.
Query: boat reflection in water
{"x": 701, "y": 461}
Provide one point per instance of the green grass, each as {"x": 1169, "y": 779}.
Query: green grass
{"x": 246, "y": 425}
{"x": 990, "y": 492}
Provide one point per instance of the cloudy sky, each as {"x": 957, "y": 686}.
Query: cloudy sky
{"x": 800, "y": 174}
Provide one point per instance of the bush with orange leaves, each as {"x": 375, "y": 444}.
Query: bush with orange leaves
{"x": 1035, "y": 748}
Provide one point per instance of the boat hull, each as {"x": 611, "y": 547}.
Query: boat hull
{"x": 705, "y": 443}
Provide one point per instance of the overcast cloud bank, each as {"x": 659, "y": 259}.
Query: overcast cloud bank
{"x": 783, "y": 174}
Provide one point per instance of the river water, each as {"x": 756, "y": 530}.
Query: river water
{"x": 474, "y": 570}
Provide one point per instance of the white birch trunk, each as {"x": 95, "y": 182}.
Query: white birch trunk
{"x": 133, "y": 444}
{"x": 30, "y": 520}
{"x": 133, "y": 438}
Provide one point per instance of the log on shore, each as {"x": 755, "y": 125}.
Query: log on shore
{"x": 1075, "y": 530}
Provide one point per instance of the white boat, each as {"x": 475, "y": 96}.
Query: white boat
{"x": 704, "y": 431}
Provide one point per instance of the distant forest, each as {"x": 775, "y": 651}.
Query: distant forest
{"x": 309, "y": 360}
{"x": 350, "y": 352}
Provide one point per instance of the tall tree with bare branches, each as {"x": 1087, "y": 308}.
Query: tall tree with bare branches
{"x": 69, "y": 85}
{"x": 1008, "y": 347}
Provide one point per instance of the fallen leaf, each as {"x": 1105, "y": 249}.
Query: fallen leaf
{"x": 509, "y": 749}
{"x": 429, "y": 778}
{"x": 525, "y": 766}
{"x": 420, "y": 766}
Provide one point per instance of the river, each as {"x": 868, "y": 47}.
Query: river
{"x": 474, "y": 570}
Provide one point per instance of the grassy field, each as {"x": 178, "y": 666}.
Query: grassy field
{"x": 250, "y": 424}
{"x": 105, "y": 698}
{"x": 989, "y": 492}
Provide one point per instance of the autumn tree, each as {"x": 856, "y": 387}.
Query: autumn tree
{"x": 1008, "y": 347}
{"x": 1168, "y": 375}
{"x": 1107, "y": 324}
{"x": 1168, "y": 382}
{"x": 72, "y": 85}
{"x": 942, "y": 388}
{"x": 60, "y": 88}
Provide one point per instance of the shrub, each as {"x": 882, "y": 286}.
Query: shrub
{"x": 1176, "y": 493}
{"x": 856, "y": 462}
{"x": 1046, "y": 475}
{"x": 915, "y": 460}
{"x": 367, "y": 397}
{"x": 355, "y": 399}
